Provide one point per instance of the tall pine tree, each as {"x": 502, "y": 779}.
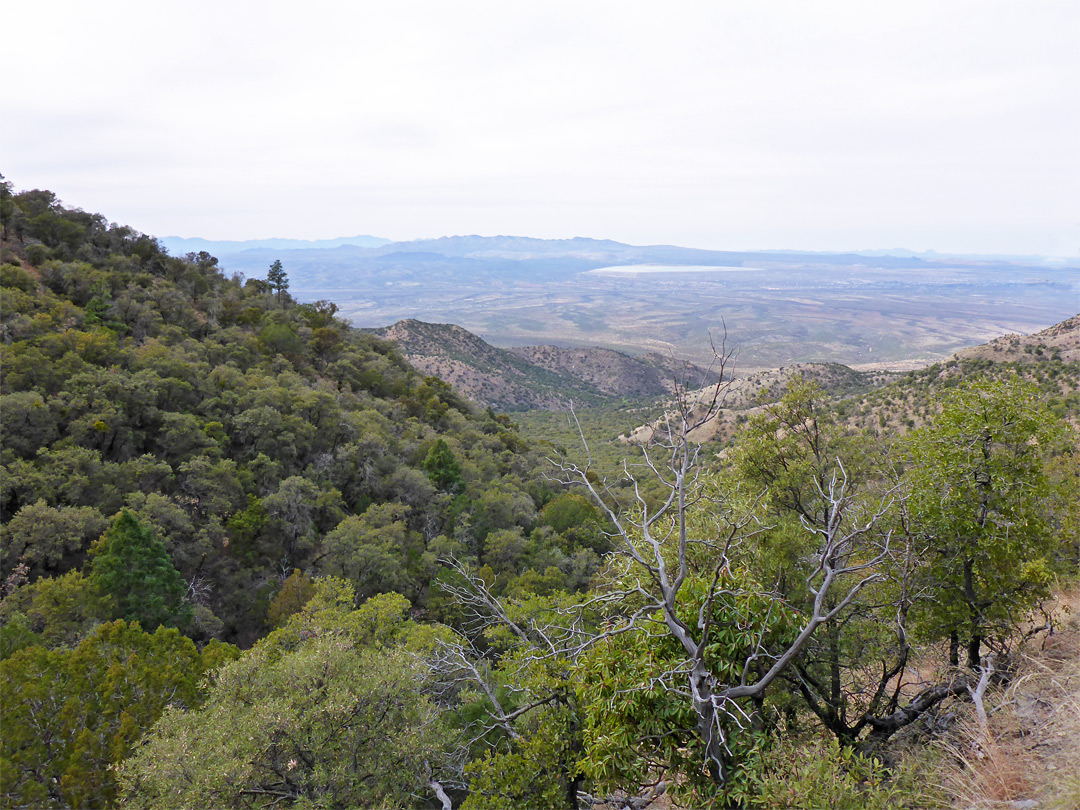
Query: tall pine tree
{"x": 276, "y": 278}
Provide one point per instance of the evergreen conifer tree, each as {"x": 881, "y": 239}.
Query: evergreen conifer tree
{"x": 442, "y": 467}
{"x": 277, "y": 279}
{"x": 132, "y": 566}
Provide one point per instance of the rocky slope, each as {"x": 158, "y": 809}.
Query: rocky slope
{"x": 898, "y": 402}
{"x": 746, "y": 391}
{"x": 1058, "y": 342}
{"x": 617, "y": 374}
{"x": 536, "y": 377}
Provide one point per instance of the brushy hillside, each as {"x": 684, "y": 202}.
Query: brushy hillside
{"x": 1057, "y": 342}
{"x": 1050, "y": 359}
{"x": 496, "y": 377}
{"x": 193, "y": 450}
{"x": 745, "y": 394}
{"x": 244, "y": 428}
{"x": 619, "y": 376}
{"x": 891, "y": 403}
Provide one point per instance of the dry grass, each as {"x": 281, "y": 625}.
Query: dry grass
{"x": 1031, "y": 750}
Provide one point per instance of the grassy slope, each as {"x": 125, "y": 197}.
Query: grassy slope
{"x": 1030, "y": 751}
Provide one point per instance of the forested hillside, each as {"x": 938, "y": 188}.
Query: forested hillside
{"x": 238, "y": 425}
{"x": 252, "y": 559}
{"x": 242, "y": 436}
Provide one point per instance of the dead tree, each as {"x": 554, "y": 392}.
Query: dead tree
{"x": 661, "y": 553}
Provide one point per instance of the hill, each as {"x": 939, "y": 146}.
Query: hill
{"x": 617, "y": 374}
{"x": 534, "y": 377}
{"x": 746, "y": 392}
{"x": 1058, "y": 342}
{"x": 1049, "y": 358}
{"x": 188, "y": 451}
{"x": 891, "y": 402}
{"x": 184, "y": 450}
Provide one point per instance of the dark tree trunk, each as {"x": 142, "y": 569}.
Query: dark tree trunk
{"x": 881, "y": 728}
{"x": 975, "y": 639}
{"x": 974, "y": 659}
{"x": 572, "y": 787}
{"x": 573, "y": 776}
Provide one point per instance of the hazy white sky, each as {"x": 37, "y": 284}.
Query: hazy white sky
{"x": 949, "y": 124}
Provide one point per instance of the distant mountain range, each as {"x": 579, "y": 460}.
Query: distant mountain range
{"x": 935, "y": 256}
{"x": 586, "y": 253}
{"x": 521, "y": 246}
{"x": 180, "y": 246}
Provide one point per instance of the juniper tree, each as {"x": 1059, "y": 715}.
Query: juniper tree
{"x": 132, "y": 566}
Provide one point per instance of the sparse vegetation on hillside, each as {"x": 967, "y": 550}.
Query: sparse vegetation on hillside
{"x": 1027, "y": 753}
{"x": 889, "y": 403}
{"x": 537, "y": 377}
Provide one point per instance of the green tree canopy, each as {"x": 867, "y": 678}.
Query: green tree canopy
{"x": 68, "y": 716}
{"x": 132, "y": 566}
{"x": 59, "y": 611}
{"x": 442, "y": 467}
{"x": 49, "y": 538}
{"x": 277, "y": 279}
{"x": 981, "y": 494}
{"x": 329, "y": 711}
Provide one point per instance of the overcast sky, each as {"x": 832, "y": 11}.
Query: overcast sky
{"x": 949, "y": 124}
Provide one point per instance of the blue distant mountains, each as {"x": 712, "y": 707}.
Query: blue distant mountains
{"x": 598, "y": 251}
{"x": 179, "y": 246}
